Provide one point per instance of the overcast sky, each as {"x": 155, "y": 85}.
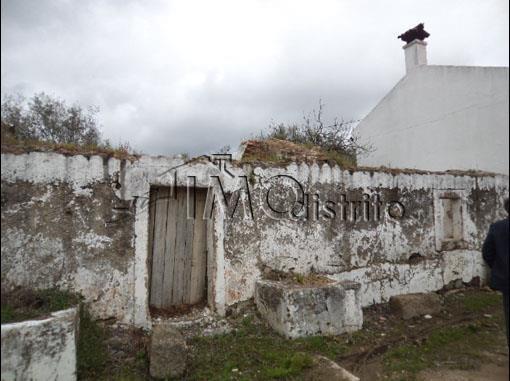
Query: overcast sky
{"x": 192, "y": 76}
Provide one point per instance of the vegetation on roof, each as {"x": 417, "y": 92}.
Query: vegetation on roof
{"x": 311, "y": 140}
{"x": 282, "y": 152}
{"x": 12, "y": 145}
{"x": 44, "y": 123}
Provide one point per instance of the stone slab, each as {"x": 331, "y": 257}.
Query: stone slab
{"x": 297, "y": 311}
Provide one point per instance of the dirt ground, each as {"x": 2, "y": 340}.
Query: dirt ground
{"x": 466, "y": 341}
{"x": 413, "y": 350}
{"x": 496, "y": 370}
{"x": 488, "y": 372}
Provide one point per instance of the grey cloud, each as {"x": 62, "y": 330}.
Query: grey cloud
{"x": 191, "y": 76}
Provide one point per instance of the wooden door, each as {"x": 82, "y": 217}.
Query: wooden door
{"x": 178, "y": 247}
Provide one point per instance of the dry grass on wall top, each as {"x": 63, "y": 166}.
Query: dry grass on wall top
{"x": 11, "y": 144}
{"x": 21, "y": 304}
{"x": 282, "y": 152}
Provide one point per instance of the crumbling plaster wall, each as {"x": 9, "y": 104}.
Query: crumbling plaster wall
{"x": 71, "y": 222}
{"x": 82, "y": 223}
{"x": 387, "y": 257}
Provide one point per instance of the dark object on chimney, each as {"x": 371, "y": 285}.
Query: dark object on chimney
{"x": 416, "y": 33}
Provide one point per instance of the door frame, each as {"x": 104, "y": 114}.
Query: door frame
{"x": 140, "y": 316}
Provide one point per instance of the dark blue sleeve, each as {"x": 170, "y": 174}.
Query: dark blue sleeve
{"x": 489, "y": 248}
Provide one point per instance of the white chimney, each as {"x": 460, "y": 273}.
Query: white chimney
{"x": 416, "y": 54}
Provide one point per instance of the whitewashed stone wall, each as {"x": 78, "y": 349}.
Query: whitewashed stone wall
{"x": 82, "y": 223}
{"x": 71, "y": 222}
{"x": 379, "y": 255}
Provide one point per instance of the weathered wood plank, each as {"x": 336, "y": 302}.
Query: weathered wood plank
{"x": 170, "y": 250}
{"x": 179, "y": 257}
{"x": 188, "y": 247}
{"x": 199, "y": 252}
{"x": 158, "y": 252}
{"x": 180, "y": 246}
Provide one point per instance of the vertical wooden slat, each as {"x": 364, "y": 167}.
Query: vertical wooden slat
{"x": 199, "y": 253}
{"x": 180, "y": 246}
{"x": 158, "y": 252}
{"x": 170, "y": 251}
{"x": 188, "y": 250}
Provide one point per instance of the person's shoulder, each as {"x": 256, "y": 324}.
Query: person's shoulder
{"x": 501, "y": 224}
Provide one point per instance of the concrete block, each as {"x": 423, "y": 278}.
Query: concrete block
{"x": 297, "y": 311}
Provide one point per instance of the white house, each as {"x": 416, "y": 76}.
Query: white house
{"x": 440, "y": 117}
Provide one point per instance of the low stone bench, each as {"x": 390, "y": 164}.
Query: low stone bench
{"x": 296, "y": 311}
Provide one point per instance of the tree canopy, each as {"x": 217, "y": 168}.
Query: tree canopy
{"x": 48, "y": 119}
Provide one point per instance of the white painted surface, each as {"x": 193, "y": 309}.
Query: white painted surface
{"x": 41, "y": 350}
{"x": 415, "y": 54}
{"x": 440, "y": 118}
